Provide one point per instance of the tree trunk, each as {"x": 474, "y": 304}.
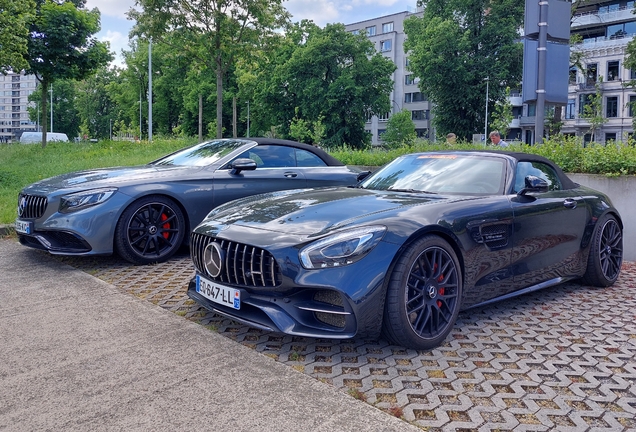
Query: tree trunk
{"x": 219, "y": 98}
{"x": 45, "y": 85}
{"x": 200, "y": 118}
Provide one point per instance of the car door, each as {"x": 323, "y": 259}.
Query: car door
{"x": 318, "y": 174}
{"x": 275, "y": 170}
{"x": 548, "y": 227}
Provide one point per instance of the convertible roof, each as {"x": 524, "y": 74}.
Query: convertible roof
{"x": 326, "y": 157}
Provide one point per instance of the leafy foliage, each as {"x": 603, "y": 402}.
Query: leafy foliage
{"x": 214, "y": 33}
{"x": 502, "y": 115}
{"x": 15, "y": 17}
{"x": 400, "y": 130}
{"x": 328, "y": 73}
{"x": 454, "y": 47}
{"x": 61, "y": 45}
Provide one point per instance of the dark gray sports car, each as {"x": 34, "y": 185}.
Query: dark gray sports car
{"x": 428, "y": 235}
{"x": 145, "y": 212}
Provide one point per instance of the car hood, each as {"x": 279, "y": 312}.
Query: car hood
{"x": 311, "y": 212}
{"x": 103, "y": 177}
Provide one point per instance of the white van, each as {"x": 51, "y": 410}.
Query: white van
{"x": 36, "y": 137}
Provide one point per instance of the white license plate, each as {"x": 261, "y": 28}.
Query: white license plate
{"x": 23, "y": 227}
{"x": 220, "y": 294}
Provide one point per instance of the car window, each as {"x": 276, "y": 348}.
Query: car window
{"x": 202, "y": 154}
{"x": 271, "y": 156}
{"x": 537, "y": 169}
{"x": 308, "y": 159}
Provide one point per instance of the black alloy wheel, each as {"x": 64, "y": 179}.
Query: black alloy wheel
{"x": 606, "y": 253}
{"x": 424, "y": 294}
{"x": 150, "y": 230}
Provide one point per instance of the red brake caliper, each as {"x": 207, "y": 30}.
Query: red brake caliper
{"x": 165, "y": 226}
{"x": 440, "y": 279}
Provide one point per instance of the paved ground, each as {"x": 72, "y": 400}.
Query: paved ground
{"x": 560, "y": 359}
{"x": 78, "y": 354}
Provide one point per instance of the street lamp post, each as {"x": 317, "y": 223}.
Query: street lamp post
{"x": 111, "y": 129}
{"x": 51, "y": 91}
{"x": 486, "y": 119}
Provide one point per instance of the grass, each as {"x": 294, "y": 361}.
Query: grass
{"x": 23, "y": 164}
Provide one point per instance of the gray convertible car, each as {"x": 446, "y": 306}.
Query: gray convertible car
{"x": 144, "y": 213}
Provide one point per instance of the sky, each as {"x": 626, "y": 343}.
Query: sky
{"x": 115, "y": 25}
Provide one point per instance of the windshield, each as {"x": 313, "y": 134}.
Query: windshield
{"x": 441, "y": 173}
{"x": 202, "y": 154}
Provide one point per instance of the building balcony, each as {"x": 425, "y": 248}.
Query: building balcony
{"x": 516, "y": 100}
{"x": 515, "y": 123}
{"x": 526, "y": 121}
{"x": 602, "y": 43}
{"x": 595, "y": 18}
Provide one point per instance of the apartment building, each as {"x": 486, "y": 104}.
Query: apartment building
{"x": 15, "y": 89}
{"x": 605, "y": 27}
{"x": 387, "y": 35}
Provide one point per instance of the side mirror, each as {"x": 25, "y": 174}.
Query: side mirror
{"x": 242, "y": 164}
{"x": 534, "y": 184}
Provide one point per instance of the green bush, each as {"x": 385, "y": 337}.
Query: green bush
{"x": 613, "y": 159}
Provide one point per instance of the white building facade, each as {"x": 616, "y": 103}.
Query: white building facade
{"x": 15, "y": 89}
{"x": 387, "y": 35}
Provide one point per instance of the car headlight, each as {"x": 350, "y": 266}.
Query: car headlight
{"x": 341, "y": 249}
{"x": 81, "y": 200}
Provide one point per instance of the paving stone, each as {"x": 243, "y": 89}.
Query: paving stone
{"x": 559, "y": 359}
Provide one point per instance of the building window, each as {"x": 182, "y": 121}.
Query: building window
{"x": 532, "y": 110}
{"x": 419, "y": 115}
{"x": 584, "y": 99}
{"x": 408, "y": 79}
{"x": 371, "y": 31}
{"x": 570, "y": 109}
{"x": 414, "y": 97}
{"x": 611, "y": 106}
{"x": 572, "y": 75}
{"x": 609, "y": 137}
{"x": 612, "y": 70}
{"x": 385, "y": 45}
{"x": 387, "y": 27}
{"x": 355, "y": 32}
{"x": 591, "y": 74}
{"x": 632, "y": 105}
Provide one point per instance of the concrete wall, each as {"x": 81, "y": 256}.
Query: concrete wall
{"x": 622, "y": 192}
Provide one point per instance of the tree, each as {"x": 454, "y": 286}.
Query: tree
{"x": 502, "y": 115}
{"x": 65, "y": 116}
{"x": 61, "y": 45}
{"x": 213, "y": 32}
{"x": 454, "y": 47}
{"x": 15, "y": 17}
{"x": 93, "y": 102}
{"x": 325, "y": 73}
{"x": 400, "y": 130}
{"x": 593, "y": 109}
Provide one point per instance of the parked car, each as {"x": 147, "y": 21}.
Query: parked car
{"x": 36, "y": 137}
{"x": 144, "y": 213}
{"x": 403, "y": 252}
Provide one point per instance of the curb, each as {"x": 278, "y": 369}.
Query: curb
{"x": 6, "y": 230}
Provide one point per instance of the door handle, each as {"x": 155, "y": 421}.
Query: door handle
{"x": 569, "y": 203}
{"x": 290, "y": 174}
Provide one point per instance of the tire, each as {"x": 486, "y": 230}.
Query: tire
{"x": 423, "y": 295}
{"x": 150, "y": 230}
{"x": 606, "y": 253}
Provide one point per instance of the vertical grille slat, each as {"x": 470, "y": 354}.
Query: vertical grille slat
{"x": 244, "y": 265}
{"x": 31, "y": 206}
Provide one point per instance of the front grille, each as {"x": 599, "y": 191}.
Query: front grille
{"x": 31, "y": 206}
{"x": 242, "y": 264}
